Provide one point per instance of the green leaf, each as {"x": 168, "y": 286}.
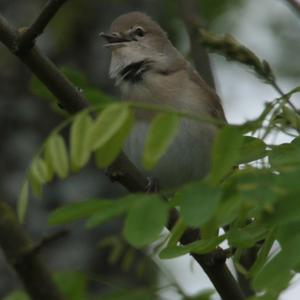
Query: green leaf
{"x": 106, "y": 154}
{"x": 40, "y": 90}
{"x": 23, "y": 201}
{"x": 286, "y": 232}
{"x": 203, "y": 295}
{"x": 247, "y": 236}
{"x": 17, "y": 295}
{"x": 263, "y": 254}
{"x": 256, "y": 190}
{"x": 58, "y": 155}
{"x": 97, "y": 97}
{"x": 107, "y": 213}
{"x": 146, "y": 218}
{"x": 286, "y": 210}
{"x": 225, "y": 152}
{"x": 285, "y": 157}
{"x": 198, "y": 202}
{"x": 108, "y": 124}
{"x": 277, "y": 272}
{"x": 287, "y": 182}
{"x": 39, "y": 174}
{"x": 291, "y": 117}
{"x": 39, "y": 170}
{"x": 161, "y": 133}
{"x": 135, "y": 294}
{"x": 176, "y": 232}
{"x": 76, "y": 211}
{"x": 199, "y": 247}
{"x": 47, "y": 160}
{"x": 251, "y": 149}
{"x": 266, "y": 296}
{"x": 78, "y": 78}
{"x": 128, "y": 260}
{"x": 296, "y": 142}
{"x": 73, "y": 285}
{"x": 228, "y": 210}
{"x": 116, "y": 246}
{"x": 79, "y": 141}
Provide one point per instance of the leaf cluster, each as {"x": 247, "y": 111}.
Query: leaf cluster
{"x": 254, "y": 205}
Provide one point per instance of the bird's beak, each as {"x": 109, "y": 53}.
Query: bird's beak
{"x": 114, "y": 40}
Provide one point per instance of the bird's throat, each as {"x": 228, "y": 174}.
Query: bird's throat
{"x": 135, "y": 71}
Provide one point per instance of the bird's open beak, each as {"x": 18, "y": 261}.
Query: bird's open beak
{"x": 114, "y": 40}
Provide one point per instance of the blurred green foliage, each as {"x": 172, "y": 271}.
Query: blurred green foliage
{"x": 258, "y": 204}
{"x": 268, "y": 195}
{"x": 212, "y": 9}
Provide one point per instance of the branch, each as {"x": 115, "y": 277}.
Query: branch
{"x": 247, "y": 260}
{"x": 215, "y": 268}
{"x": 295, "y": 4}
{"x": 48, "y": 239}
{"x": 122, "y": 169}
{"x": 193, "y": 22}
{"x": 29, "y": 35}
{"x": 70, "y": 97}
{"x": 15, "y": 244}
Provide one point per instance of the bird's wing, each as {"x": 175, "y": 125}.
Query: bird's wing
{"x": 213, "y": 100}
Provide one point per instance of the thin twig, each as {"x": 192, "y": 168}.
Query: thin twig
{"x": 29, "y": 35}
{"x": 70, "y": 97}
{"x": 14, "y": 241}
{"x": 283, "y": 95}
{"x": 46, "y": 240}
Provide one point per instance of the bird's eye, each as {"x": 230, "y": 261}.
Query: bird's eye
{"x": 139, "y": 31}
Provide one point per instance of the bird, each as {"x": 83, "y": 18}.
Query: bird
{"x": 147, "y": 68}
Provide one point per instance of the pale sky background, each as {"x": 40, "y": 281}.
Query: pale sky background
{"x": 243, "y": 96}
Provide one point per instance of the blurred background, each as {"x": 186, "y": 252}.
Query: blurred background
{"x": 269, "y": 27}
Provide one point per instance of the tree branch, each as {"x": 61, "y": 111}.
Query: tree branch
{"x": 70, "y": 97}
{"x": 122, "y": 169}
{"x": 295, "y": 4}
{"x": 29, "y": 35}
{"x": 48, "y": 239}
{"x": 16, "y": 244}
{"x": 247, "y": 260}
{"x": 193, "y": 22}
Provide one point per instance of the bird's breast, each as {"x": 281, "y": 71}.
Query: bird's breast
{"x": 188, "y": 157}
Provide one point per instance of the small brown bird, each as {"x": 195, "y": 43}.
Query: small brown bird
{"x": 147, "y": 67}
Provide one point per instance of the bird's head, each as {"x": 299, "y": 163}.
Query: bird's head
{"x": 135, "y": 37}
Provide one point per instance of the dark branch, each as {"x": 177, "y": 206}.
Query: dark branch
{"x": 70, "y": 97}
{"x": 122, "y": 169}
{"x": 295, "y": 4}
{"x": 215, "y": 268}
{"x": 45, "y": 241}
{"x": 15, "y": 243}
{"x": 247, "y": 260}
{"x": 29, "y": 35}
{"x": 190, "y": 15}
{"x": 8, "y": 35}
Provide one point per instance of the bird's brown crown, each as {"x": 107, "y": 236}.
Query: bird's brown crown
{"x": 130, "y": 20}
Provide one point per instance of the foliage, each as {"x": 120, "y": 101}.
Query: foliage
{"x": 71, "y": 284}
{"x": 257, "y": 204}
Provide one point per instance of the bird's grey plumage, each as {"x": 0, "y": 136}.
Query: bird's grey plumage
{"x": 148, "y": 68}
